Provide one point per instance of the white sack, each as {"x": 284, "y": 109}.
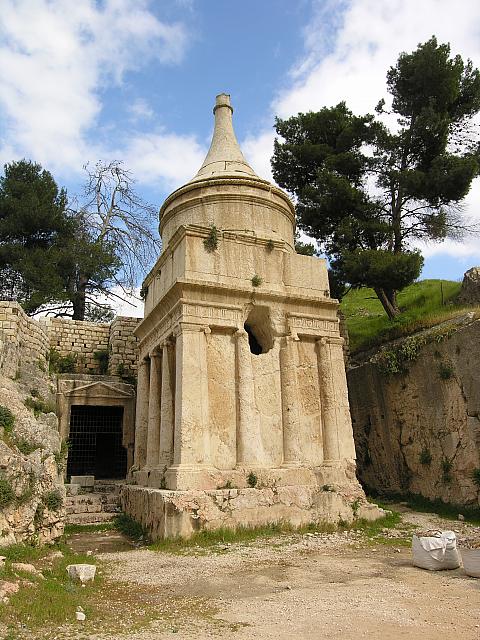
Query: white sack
{"x": 436, "y": 551}
{"x": 471, "y": 562}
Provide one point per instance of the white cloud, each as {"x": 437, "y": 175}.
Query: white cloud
{"x": 164, "y": 160}
{"x": 140, "y": 109}
{"x": 258, "y": 150}
{"x": 369, "y": 38}
{"x": 56, "y": 56}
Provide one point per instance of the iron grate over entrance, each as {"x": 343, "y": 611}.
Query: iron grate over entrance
{"x": 95, "y": 442}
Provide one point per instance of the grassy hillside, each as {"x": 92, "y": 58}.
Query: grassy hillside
{"x": 421, "y": 303}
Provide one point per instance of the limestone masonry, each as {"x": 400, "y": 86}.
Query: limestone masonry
{"x": 26, "y": 341}
{"x": 418, "y": 431}
{"x": 242, "y": 410}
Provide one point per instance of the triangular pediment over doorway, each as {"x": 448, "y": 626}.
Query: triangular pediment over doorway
{"x": 99, "y": 390}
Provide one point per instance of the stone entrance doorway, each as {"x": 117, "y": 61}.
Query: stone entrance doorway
{"x": 96, "y": 415}
{"x": 96, "y": 442}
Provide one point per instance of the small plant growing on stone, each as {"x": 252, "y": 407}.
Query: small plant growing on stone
{"x": 101, "y": 357}
{"x": 61, "y": 364}
{"x": 252, "y": 480}
{"x": 211, "y": 241}
{"x": 328, "y": 487}
{"x": 476, "y": 476}
{"x": 7, "y": 419}
{"x": 256, "y": 281}
{"x": 270, "y": 245}
{"x": 7, "y": 495}
{"x": 38, "y": 516}
{"x": 28, "y": 492}
{"x": 53, "y": 500}
{"x": 38, "y": 406}
{"x": 126, "y": 375}
{"x": 425, "y": 456}
{"x": 447, "y": 466}
{"x": 25, "y": 447}
{"x": 61, "y": 456}
{"x": 355, "y": 507}
{"x": 445, "y": 370}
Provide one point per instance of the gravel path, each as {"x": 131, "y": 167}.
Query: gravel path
{"x": 308, "y": 587}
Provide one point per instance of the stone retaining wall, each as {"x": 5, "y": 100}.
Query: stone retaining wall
{"x": 23, "y": 340}
{"x": 81, "y": 338}
{"x": 27, "y": 341}
{"x": 123, "y": 346}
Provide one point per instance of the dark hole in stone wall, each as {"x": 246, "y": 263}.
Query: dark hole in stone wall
{"x": 95, "y": 442}
{"x": 258, "y": 325}
{"x": 255, "y": 346}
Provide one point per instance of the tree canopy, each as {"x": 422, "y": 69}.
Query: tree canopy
{"x": 369, "y": 187}
{"x": 68, "y": 257}
{"x": 33, "y": 225}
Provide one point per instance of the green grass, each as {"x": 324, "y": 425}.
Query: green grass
{"x": 421, "y": 305}
{"x": 245, "y": 535}
{"x": 129, "y": 527}
{"x": 70, "y": 529}
{"x": 445, "y": 510}
{"x": 48, "y": 603}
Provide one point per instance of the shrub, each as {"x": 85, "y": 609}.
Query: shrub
{"x": 476, "y": 476}
{"x": 270, "y": 245}
{"x": 445, "y": 370}
{"x": 7, "y": 495}
{"x": 256, "y": 281}
{"x": 447, "y": 466}
{"x": 129, "y": 527}
{"x": 211, "y": 241}
{"x": 7, "y": 419}
{"x": 425, "y": 456}
{"x": 101, "y": 358}
{"x": 38, "y": 405}
{"x": 394, "y": 361}
{"x": 61, "y": 364}
{"x": 126, "y": 375}
{"x": 252, "y": 479}
{"x": 53, "y": 500}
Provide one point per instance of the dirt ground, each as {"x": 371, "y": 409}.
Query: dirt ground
{"x": 307, "y": 587}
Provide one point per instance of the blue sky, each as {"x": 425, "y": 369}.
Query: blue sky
{"x": 135, "y": 80}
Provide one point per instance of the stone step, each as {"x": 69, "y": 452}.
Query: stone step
{"x": 105, "y": 508}
{"x": 107, "y": 488}
{"x": 89, "y": 518}
{"x": 93, "y": 503}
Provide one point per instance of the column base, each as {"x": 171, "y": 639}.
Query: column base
{"x": 336, "y": 472}
{"x": 182, "y": 477}
{"x": 291, "y": 465}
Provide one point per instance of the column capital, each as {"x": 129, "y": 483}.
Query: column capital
{"x": 155, "y": 353}
{"x": 185, "y": 327}
{"x": 330, "y": 340}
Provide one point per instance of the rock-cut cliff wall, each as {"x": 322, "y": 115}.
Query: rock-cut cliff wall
{"x": 416, "y": 414}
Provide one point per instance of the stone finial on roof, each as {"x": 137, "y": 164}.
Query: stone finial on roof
{"x": 224, "y": 157}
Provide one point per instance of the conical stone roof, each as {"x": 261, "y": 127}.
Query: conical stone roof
{"x": 226, "y": 192}
{"x": 224, "y": 157}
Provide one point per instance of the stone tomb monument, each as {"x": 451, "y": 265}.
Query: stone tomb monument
{"x": 242, "y": 411}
